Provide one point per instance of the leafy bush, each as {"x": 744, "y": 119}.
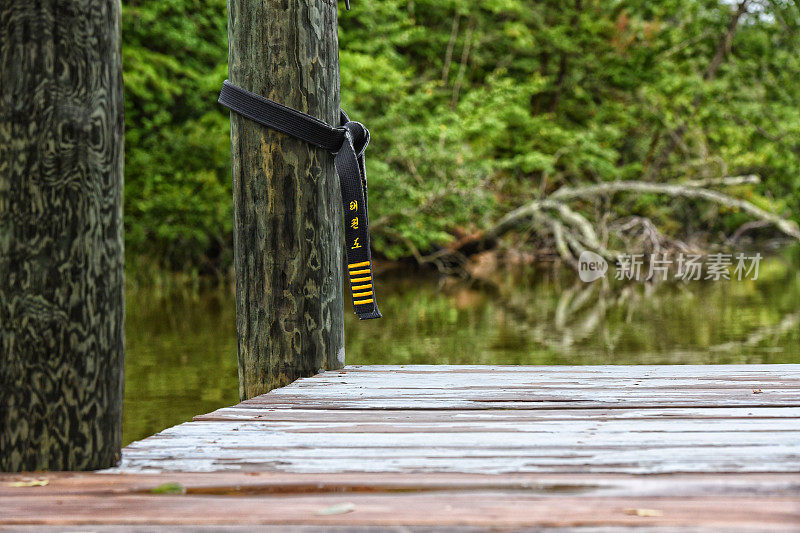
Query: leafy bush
{"x": 475, "y": 107}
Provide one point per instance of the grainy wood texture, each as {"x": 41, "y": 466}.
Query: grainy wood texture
{"x": 61, "y": 264}
{"x": 419, "y": 448}
{"x": 286, "y": 198}
{"x": 223, "y": 501}
{"x": 493, "y": 420}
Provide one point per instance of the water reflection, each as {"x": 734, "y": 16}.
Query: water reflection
{"x": 180, "y": 357}
{"x": 181, "y": 343}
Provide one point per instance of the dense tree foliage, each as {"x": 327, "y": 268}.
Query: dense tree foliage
{"x": 478, "y": 107}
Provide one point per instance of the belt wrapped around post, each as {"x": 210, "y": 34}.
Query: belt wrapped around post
{"x": 348, "y": 142}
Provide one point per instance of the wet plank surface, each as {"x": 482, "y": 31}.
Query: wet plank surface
{"x": 686, "y": 447}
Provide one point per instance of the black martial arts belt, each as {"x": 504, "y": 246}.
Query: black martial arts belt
{"x": 348, "y": 143}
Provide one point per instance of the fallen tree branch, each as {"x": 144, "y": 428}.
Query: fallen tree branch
{"x": 726, "y": 181}
{"x": 679, "y": 190}
{"x": 571, "y": 232}
{"x": 747, "y": 226}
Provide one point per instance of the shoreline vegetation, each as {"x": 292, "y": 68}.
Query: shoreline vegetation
{"x": 524, "y": 133}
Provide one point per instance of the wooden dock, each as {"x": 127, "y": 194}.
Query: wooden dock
{"x": 676, "y": 447}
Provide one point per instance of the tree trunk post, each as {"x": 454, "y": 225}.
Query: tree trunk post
{"x": 61, "y": 252}
{"x": 286, "y": 197}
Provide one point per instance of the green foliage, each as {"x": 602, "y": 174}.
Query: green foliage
{"x": 475, "y": 107}
{"x": 177, "y": 158}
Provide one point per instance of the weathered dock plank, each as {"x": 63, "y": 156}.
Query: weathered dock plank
{"x": 752, "y": 502}
{"x": 696, "y": 447}
{"x": 609, "y": 419}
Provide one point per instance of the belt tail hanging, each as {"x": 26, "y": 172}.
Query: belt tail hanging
{"x": 348, "y": 142}
{"x": 353, "y": 180}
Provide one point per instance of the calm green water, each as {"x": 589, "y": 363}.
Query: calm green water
{"x": 181, "y": 343}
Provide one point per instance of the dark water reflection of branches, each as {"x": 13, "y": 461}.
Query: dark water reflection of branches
{"x": 181, "y": 344}
{"x": 553, "y": 318}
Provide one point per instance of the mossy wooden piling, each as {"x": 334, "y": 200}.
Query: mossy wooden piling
{"x": 61, "y": 264}
{"x": 286, "y": 198}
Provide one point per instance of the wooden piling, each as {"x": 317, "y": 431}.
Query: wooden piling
{"x": 286, "y": 199}
{"x": 61, "y": 263}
